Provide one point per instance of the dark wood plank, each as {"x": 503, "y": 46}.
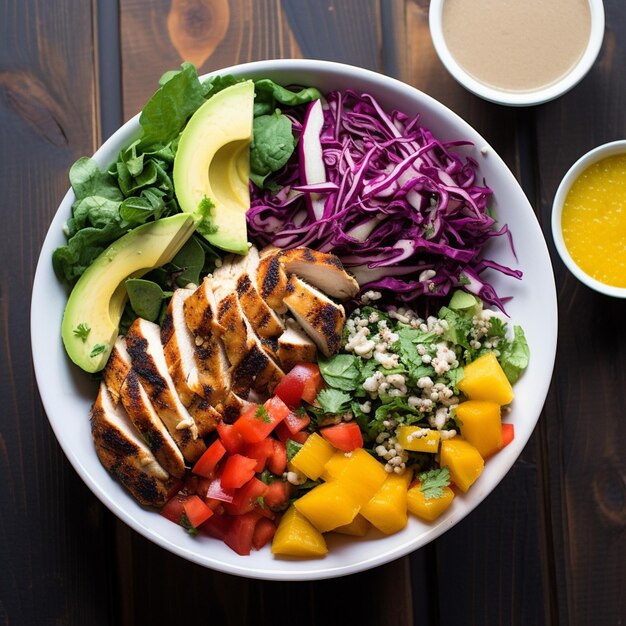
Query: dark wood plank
{"x": 584, "y": 440}
{"x": 161, "y": 34}
{"x": 54, "y": 561}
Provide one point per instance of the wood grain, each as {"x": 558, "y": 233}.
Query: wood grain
{"x": 159, "y": 35}
{"x": 584, "y": 441}
{"x": 53, "y": 557}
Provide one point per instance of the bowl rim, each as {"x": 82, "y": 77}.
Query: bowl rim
{"x": 289, "y": 569}
{"x": 523, "y": 98}
{"x": 588, "y": 159}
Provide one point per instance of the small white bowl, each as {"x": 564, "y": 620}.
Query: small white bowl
{"x": 586, "y": 161}
{"x": 521, "y": 98}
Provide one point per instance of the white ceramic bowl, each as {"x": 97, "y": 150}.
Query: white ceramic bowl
{"x": 67, "y": 393}
{"x": 586, "y": 161}
{"x": 512, "y": 98}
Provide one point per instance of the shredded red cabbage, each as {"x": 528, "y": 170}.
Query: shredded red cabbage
{"x": 402, "y": 211}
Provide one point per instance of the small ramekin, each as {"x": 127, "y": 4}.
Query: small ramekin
{"x": 522, "y": 98}
{"x": 586, "y": 161}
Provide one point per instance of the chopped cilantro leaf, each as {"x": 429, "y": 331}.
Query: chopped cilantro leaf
{"x": 261, "y": 502}
{"x": 186, "y": 524}
{"x": 82, "y": 330}
{"x": 434, "y": 481}
{"x": 206, "y": 225}
{"x": 99, "y": 348}
{"x": 262, "y": 414}
{"x": 334, "y": 401}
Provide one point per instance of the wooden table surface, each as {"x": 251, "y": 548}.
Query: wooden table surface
{"x": 547, "y": 547}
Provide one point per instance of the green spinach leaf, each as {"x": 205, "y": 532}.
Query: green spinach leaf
{"x": 272, "y": 145}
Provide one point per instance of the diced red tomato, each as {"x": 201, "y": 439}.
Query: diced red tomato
{"x": 303, "y": 382}
{"x": 277, "y": 462}
{"x": 300, "y": 437}
{"x": 345, "y": 436}
{"x": 508, "y": 434}
{"x": 282, "y": 432}
{"x": 263, "y": 533}
{"x": 277, "y": 496}
{"x": 239, "y": 535}
{"x": 205, "y": 465}
{"x": 260, "y": 451}
{"x": 230, "y": 436}
{"x": 258, "y": 422}
{"x": 247, "y": 498}
{"x": 176, "y": 487}
{"x": 197, "y": 511}
{"x": 174, "y": 508}
{"x": 203, "y": 486}
{"x": 295, "y": 423}
{"x": 216, "y": 526}
{"x": 191, "y": 484}
{"x": 217, "y": 491}
{"x": 238, "y": 470}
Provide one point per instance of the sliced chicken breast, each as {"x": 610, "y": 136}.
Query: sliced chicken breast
{"x": 321, "y": 318}
{"x": 271, "y": 282}
{"x": 145, "y": 419}
{"x": 179, "y": 348}
{"x": 205, "y": 416}
{"x": 261, "y": 316}
{"x": 143, "y": 342}
{"x": 201, "y": 310}
{"x": 232, "y": 407}
{"x": 124, "y": 454}
{"x": 295, "y": 346}
{"x": 116, "y": 369}
{"x": 256, "y": 370}
{"x": 321, "y": 270}
{"x": 196, "y": 364}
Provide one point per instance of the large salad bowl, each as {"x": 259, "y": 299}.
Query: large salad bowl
{"x": 67, "y": 393}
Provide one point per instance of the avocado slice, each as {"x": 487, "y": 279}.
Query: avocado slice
{"x": 92, "y": 315}
{"x": 213, "y": 161}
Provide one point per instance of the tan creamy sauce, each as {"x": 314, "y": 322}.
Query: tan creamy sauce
{"x": 517, "y": 45}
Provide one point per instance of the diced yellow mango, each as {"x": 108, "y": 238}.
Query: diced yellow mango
{"x": 387, "y": 508}
{"x": 313, "y": 455}
{"x": 427, "y": 443}
{"x": 328, "y": 506}
{"x": 484, "y": 379}
{"x": 428, "y": 509}
{"x": 463, "y": 460}
{"x": 335, "y": 465}
{"x": 296, "y": 536}
{"x": 362, "y": 476}
{"x": 481, "y": 425}
{"x": 358, "y": 527}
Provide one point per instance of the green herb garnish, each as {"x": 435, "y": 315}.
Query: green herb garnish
{"x": 434, "y": 481}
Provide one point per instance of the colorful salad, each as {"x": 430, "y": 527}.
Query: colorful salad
{"x": 281, "y": 295}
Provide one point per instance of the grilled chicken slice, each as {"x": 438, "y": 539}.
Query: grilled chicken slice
{"x": 205, "y": 415}
{"x": 143, "y": 342}
{"x": 124, "y": 454}
{"x": 261, "y": 316}
{"x": 197, "y": 366}
{"x": 256, "y": 370}
{"x": 232, "y": 407}
{"x": 201, "y": 310}
{"x": 295, "y": 346}
{"x": 242, "y": 270}
{"x": 321, "y": 270}
{"x": 179, "y": 348}
{"x": 116, "y": 369}
{"x": 237, "y": 335}
{"x": 320, "y": 317}
{"x": 143, "y": 416}
{"x": 271, "y": 281}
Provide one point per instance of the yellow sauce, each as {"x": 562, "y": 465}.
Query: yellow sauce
{"x": 594, "y": 221}
{"x": 517, "y": 45}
